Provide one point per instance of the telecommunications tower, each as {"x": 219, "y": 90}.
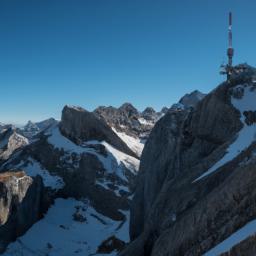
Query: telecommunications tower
{"x": 228, "y": 68}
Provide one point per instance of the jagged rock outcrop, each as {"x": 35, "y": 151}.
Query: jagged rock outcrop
{"x": 170, "y": 203}
{"x": 150, "y": 114}
{"x": 10, "y": 141}
{"x": 164, "y": 110}
{"x": 131, "y": 125}
{"x": 129, "y": 121}
{"x": 124, "y": 119}
{"x": 20, "y": 205}
{"x": 129, "y": 110}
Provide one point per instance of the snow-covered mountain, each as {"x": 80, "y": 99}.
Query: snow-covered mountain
{"x": 88, "y": 175}
{"x": 31, "y": 129}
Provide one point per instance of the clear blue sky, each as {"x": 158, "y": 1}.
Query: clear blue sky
{"x": 106, "y": 52}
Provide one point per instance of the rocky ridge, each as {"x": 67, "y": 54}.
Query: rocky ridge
{"x": 10, "y": 141}
{"x": 129, "y": 120}
{"x": 20, "y": 205}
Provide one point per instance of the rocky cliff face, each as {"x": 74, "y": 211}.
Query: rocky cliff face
{"x": 191, "y": 99}
{"x": 196, "y": 175}
{"x": 20, "y": 205}
{"x": 80, "y": 126}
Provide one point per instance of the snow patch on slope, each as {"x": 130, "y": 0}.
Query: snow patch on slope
{"x": 58, "y": 234}
{"x": 241, "y": 234}
{"x": 116, "y": 159}
{"x": 146, "y": 122}
{"x": 246, "y": 135}
{"x": 33, "y": 168}
{"x": 113, "y": 162}
{"x": 61, "y": 142}
{"x": 135, "y": 144}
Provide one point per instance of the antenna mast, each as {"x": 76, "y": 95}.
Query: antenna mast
{"x": 230, "y": 51}
{"x": 228, "y": 69}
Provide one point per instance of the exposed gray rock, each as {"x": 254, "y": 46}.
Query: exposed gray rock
{"x": 10, "y": 141}
{"x": 150, "y": 114}
{"x": 129, "y": 109}
{"x": 20, "y": 205}
{"x": 191, "y": 99}
{"x": 164, "y": 110}
{"x": 129, "y": 120}
{"x": 124, "y": 119}
{"x": 156, "y": 156}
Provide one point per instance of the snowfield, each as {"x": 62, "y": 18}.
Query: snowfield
{"x": 58, "y": 234}
{"x": 246, "y": 135}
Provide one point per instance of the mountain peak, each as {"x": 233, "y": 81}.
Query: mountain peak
{"x": 149, "y": 110}
{"x": 191, "y": 99}
{"x": 129, "y": 109}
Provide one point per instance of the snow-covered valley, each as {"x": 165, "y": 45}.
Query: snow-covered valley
{"x": 70, "y": 227}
